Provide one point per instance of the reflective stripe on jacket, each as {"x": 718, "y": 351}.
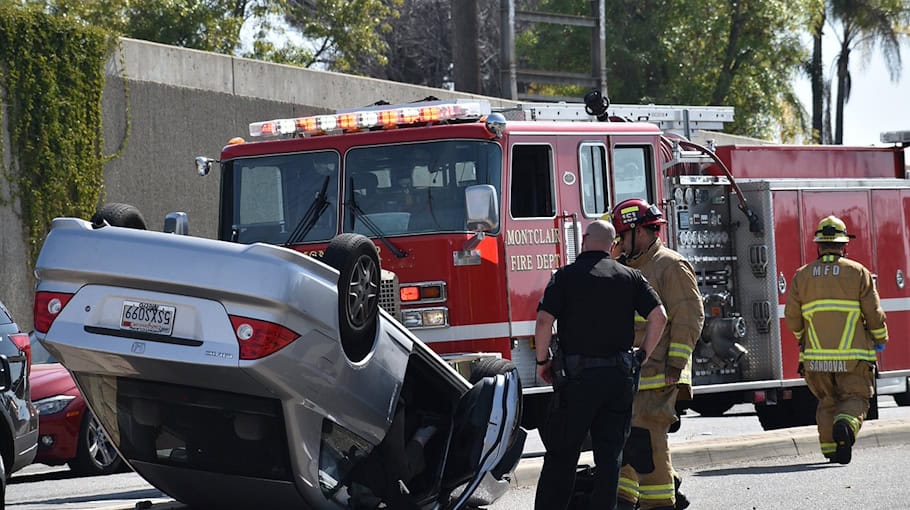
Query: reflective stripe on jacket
{"x": 834, "y": 311}
{"x": 671, "y": 275}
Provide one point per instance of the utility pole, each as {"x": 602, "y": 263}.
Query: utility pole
{"x": 464, "y": 50}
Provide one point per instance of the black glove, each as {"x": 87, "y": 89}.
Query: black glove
{"x": 640, "y": 355}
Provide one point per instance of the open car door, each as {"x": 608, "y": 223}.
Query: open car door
{"x": 486, "y": 438}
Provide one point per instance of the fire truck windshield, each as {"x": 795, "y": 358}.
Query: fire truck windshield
{"x": 416, "y": 187}
{"x": 265, "y": 198}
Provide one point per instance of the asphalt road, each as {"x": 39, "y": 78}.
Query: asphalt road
{"x": 877, "y": 478}
{"x": 41, "y": 487}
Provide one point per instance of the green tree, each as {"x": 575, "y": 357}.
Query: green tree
{"x": 865, "y": 25}
{"x": 340, "y": 31}
{"x": 331, "y": 32}
{"x": 741, "y": 53}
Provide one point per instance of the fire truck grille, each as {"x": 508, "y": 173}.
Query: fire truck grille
{"x": 388, "y": 294}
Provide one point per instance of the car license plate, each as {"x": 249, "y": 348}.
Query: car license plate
{"x": 148, "y": 318}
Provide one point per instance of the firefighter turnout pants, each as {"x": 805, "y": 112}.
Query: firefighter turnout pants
{"x": 653, "y": 411}
{"x": 841, "y": 396}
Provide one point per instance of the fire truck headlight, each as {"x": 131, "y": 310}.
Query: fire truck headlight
{"x": 425, "y": 317}
{"x": 436, "y": 317}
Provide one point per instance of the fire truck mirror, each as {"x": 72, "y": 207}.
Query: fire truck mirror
{"x": 482, "y": 208}
{"x": 204, "y": 165}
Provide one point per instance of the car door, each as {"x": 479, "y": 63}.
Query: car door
{"x": 19, "y": 412}
{"x": 485, "y": 439}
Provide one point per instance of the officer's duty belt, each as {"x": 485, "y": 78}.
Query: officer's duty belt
{"x": 578, "y": 362}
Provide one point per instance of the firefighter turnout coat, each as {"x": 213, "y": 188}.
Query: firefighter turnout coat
{"x": 671, "y": 275}
{"x": 834, "y": 311}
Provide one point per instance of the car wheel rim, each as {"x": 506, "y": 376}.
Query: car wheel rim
{"x": 100, "y": 449}
{"x": 362, "y": 291}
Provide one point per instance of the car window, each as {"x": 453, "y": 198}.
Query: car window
{"x": 5, "y": 317}
{"x": 7, "y": 347}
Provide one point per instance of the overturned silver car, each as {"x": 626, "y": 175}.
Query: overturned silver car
{"x": 233, "y": 375}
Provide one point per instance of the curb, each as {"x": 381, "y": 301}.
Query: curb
{"x": 792, "y": 442}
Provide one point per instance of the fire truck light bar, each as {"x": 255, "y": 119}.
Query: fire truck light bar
{"x": 895, "y": 137}
{"x": 384, "y": 117}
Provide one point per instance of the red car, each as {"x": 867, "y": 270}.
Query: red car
{"x": 68, "y": 433}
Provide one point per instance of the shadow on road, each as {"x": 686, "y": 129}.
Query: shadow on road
{"x": 43, "y": 477}
{"x": 761, "y": 470}
{"x": 127, "y": 495}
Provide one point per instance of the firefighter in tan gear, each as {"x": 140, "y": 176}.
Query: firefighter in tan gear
{"x": 834, "y": 311}
{"x": 648, "y": 480}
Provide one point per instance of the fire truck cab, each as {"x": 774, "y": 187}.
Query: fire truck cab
{"x": 472, "y": 209}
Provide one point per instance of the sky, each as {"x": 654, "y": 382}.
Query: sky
{"x": 876, "y": 104}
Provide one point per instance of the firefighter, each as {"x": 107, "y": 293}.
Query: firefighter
{"x": 648, "y": 480}
{"x": 834, "y": 311}
{"x": 594, "y": 382}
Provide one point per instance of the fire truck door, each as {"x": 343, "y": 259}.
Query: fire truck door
{"x": 891, "y": 217}
{"x": 531, "y": 228}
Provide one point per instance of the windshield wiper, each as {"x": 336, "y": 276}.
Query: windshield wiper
{"x": 311, "y": 216}
{"x": 357, "y": 212}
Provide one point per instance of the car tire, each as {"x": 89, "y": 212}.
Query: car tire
{"x": 95, "y": 454}
{"x": 486, "y": 367}
{"x": 355, "y": 257}
{"x": 3, "y": 480}
{"x": 119, "y": 215}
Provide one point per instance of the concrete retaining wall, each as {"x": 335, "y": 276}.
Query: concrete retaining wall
{"x": 185, "y": 103}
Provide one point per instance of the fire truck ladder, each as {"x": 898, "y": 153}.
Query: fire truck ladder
{"x": 681, "y": 120}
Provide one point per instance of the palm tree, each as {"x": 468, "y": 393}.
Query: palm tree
{"x": 815, "y": 70}
{"x": 863, "y": 25}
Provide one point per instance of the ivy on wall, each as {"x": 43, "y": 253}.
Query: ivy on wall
{"x": 51, "y": 81}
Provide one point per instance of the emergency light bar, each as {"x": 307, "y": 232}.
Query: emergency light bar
{"x": 901, "y": 137}
{"x": 377, "y": 117}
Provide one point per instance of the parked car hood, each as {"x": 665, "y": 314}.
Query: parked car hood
{"x": 50, "y": 379}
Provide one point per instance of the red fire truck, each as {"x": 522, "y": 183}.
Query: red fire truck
{"x": 473, "y": 208}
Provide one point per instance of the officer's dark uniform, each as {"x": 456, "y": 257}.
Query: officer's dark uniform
{"x": 594, "y": 300}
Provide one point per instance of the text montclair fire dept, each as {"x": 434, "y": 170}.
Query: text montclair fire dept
{"x": 531, "y": 237}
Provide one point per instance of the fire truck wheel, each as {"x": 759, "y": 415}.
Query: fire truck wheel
{"x": 712, "y": 405}
{"x": 355, "y": 257}
{"x": 902, "y": 399}
{"x": 486, "y": 367}
{"x": 119, "y": 215}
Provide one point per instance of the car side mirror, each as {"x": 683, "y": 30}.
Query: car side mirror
{"x": 6, "y": 378}
{"x": 482, "y": 208}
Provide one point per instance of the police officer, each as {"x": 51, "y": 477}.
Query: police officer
{"x": 648, "y": 479}
{"x": 595, "y": 300}
{"x": 834, "y": 311}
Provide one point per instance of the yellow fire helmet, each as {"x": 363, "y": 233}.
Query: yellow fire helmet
{"x": 832, "y": 230}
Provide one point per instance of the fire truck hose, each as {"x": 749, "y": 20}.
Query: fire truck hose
{"x": 755, "y": 223}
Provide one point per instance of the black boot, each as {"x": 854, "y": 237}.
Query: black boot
{"x": 626, "y": 505}
{"x": 843, "y": 436}
{"x": 682, "y": 502}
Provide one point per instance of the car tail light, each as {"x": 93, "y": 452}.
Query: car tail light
{"x": 47, "y": 306}
{"x": 22, "y": 342}
{"x": 258, "y": 339}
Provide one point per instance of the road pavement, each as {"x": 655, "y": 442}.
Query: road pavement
{"x": 796, "y": 442}
{"x": 701, "y": 443}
